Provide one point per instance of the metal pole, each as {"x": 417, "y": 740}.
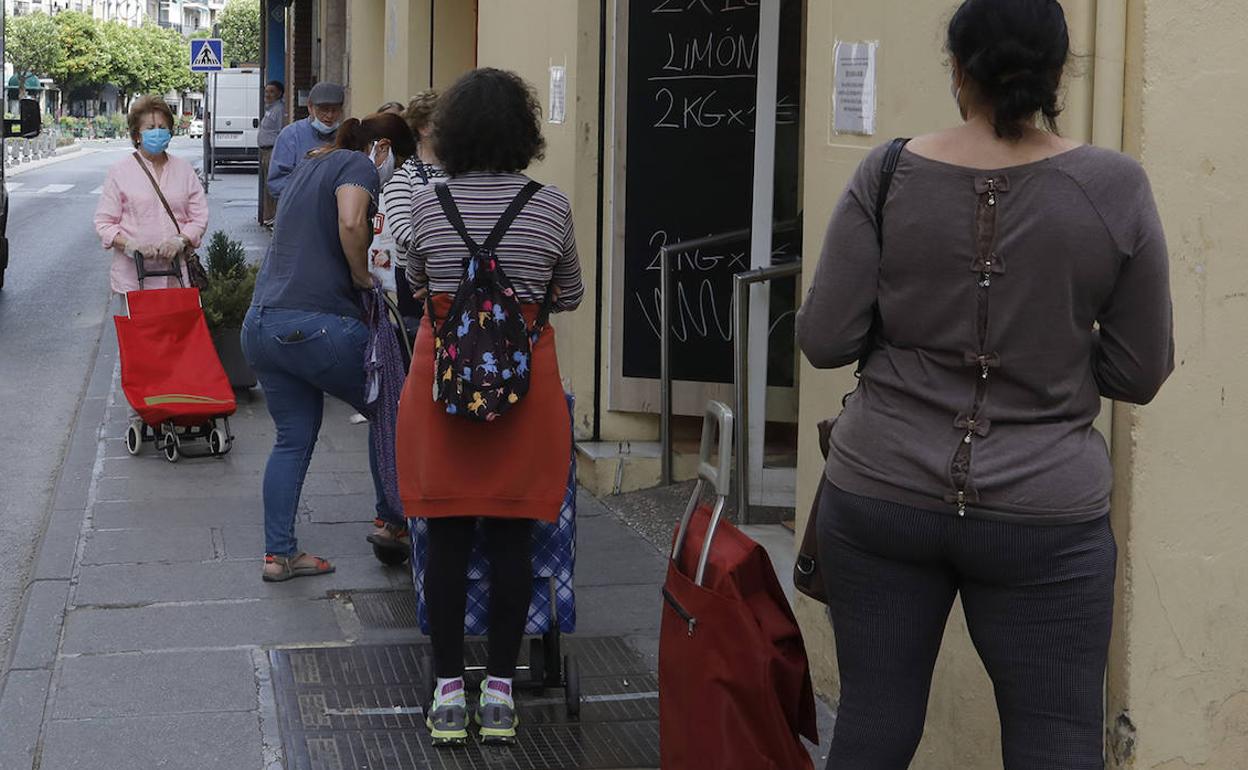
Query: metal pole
{"x": 761, "y": 240}
{"x": 665, "y": 367}
{"x": 741, "y": 352}
{"x": 742, "y": 285}
{"x": 212, "y": 142}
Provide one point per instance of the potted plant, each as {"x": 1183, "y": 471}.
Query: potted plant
{"x": 231, "y": 282}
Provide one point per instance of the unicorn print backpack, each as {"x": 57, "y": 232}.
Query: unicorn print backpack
{"x": 484, "y": 348}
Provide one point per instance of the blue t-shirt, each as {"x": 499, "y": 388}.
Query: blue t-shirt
{"x": 306, "y": 268}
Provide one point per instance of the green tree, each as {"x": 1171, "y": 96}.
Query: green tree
{"x": 147, "y": 60}
{"x": 85, "y": 63}
{"x": 32, "y": 46}
{"x": 239, "y": 25}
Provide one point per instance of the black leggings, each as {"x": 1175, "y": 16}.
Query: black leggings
{"x": 446, "y": 590}
{"x": 1038, "y": 602}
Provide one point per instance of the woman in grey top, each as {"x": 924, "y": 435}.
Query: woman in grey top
{"x": 1018, "y": 279}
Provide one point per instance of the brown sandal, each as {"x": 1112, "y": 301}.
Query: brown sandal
{"x": 391, "y": 537}
{"x": 290, "y": 569}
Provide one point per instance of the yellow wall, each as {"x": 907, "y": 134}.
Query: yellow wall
{"x": 365, "y": 56}
{"x": 913, "y": 98}
{"x": 1179, "y": 663}
{"x": 559, "y": 32}
{"x": 455, "y": 37}
{"x": 405, "y": 53}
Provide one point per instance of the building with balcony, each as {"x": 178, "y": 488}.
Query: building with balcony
{"x": 131, "y": 12}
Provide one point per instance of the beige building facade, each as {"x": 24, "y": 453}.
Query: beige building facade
{"x": 1163, "y": 80}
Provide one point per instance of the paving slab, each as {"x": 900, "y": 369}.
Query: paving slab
{"x": 181, "y": 482}
{"x": 331, "y": 541}
{"x": 185, "y": 742}
{"x": 331, "y": 509}
{"x": 204, "y": 512}
{"x": 151, "y": 544}
{"x": 199, "y": 626}
{"x": 633, "y": 560}
{"x": 138, "y": 584}
{"x": 621, "y": 610}
{"x": 155, "y": 684}
{"x": 60, "y": 545}
{"x": 40, "y": 632}
{"x": 21, "y": 717}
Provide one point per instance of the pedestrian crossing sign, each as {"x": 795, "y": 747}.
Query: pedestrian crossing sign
{"x": 206, "y": 55}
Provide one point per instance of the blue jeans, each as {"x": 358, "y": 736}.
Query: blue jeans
{"x": 298, "y": 357}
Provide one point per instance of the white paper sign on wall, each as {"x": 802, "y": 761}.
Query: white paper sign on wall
{"x": 558, "y": 94}
{"x": 853, "y": 88}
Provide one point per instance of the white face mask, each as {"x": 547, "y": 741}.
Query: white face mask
{"x": 386, "y": 170}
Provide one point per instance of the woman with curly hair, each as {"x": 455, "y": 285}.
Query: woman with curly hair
{"x": 395, "y": 227}
{"x": 502, "y": 475}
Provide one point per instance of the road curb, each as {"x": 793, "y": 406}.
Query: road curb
{"x": 40, "y": 622}
{"x": 59, "y": 157}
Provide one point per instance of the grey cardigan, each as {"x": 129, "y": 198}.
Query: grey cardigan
{"x": 1009, "y": 302}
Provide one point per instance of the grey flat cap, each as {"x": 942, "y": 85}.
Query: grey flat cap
{"x": 326, "y": 93}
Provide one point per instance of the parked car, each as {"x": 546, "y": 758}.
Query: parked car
{"x": 196, "y": 129}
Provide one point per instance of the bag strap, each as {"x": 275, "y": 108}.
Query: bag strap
{"x": 156, "y": 186}
{"x": 886, "y": 180}
{"x": 887, "y": 169}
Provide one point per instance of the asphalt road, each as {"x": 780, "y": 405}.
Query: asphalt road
{"x": 53, "y": 308}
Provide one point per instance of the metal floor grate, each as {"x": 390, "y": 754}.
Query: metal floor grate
{"x": 385, "y": 609}
{"x": 351, "y": 708}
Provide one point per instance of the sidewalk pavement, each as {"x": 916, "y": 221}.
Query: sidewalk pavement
{"x": 145, "y": 633}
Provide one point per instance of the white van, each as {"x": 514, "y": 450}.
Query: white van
{"x": 236, "y": 123}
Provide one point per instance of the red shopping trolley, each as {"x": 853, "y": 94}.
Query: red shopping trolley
{"x": 170, "y": 371}
{"x": 734, "y": 682}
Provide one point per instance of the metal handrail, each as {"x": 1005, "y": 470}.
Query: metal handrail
{"x": 741, "y": 283}
{"x": 665, "y": 318}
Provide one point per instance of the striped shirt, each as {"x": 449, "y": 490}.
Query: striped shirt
{"x": 539, "y": 247}
{"x": 397, "y": 202}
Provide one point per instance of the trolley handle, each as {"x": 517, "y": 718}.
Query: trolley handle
{"x": 174, "y": 271}
{"x": 718, "y": 416}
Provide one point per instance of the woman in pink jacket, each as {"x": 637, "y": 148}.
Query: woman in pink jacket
{"x": 131, "y": 218}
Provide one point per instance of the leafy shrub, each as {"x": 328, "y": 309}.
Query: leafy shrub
{"x": 231, "y": 283}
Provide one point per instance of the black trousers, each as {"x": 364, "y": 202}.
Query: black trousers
{"x": 446, "y": 590}
{"x": 1038, "y": 603}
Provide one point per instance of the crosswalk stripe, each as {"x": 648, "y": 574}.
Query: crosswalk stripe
{"x": 97, "y": 191}
{"x": 11, "y": 186}
{"x": 54, "y": 189}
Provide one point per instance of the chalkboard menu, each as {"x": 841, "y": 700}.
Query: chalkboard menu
{"x": 692, "y": 72}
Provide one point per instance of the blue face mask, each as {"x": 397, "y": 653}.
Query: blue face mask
{"x": 156, "y": 140}
{"x": 321, "y": 128}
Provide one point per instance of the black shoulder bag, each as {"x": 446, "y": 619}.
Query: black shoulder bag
{"x": 807, "y": 576}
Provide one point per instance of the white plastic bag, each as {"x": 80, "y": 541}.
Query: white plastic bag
{"x": 381, "y": 254}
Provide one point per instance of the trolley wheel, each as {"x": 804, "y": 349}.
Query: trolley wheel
{"x": 172, "y": 451}
{"x": 572, "y": 686}
{"x": 218, "y": 443}
{"x": 537, "y": 662}
{"x": 426, "y": 682}
{"x": 134, "y": 437}
{"x": 389, "y": 556}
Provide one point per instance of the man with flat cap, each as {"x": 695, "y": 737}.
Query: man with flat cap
{"x": 303, "y": 136}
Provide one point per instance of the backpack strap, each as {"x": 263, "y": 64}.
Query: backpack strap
{"x": 517, "y": 204}
{"x": 500, "y": 228}
{"x": 453, "y": 216}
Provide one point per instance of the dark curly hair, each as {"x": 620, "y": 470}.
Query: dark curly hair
{"x": 488, "y": 121}
{"x": 1015, "y": 52}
